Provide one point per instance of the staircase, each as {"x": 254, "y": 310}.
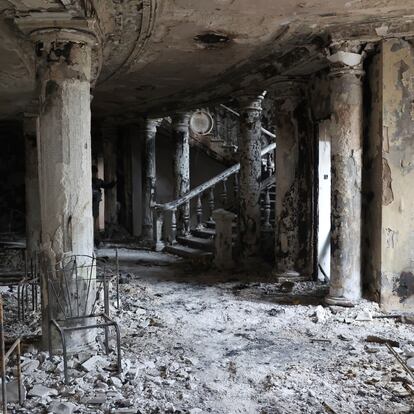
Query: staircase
{"x": 181, "y": 226}
{"x": 198, "y": 244}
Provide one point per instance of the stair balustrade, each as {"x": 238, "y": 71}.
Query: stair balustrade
{"x": 163, "y": 236}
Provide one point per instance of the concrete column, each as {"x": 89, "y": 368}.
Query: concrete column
{"x": 346, "y": 165}
{"x": 294, "y": 169}
{"x": 33, "y": 224}
{"x": 149, "y": 172}
{"x": 64, "y": 82}
{"x": 110, "y": 138}
{"x": 181, "y": 136}
{"x": 135, "y": 156}
{"x": 250, "y": 175}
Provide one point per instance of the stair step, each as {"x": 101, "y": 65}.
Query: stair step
{"x": 197, "y": 243}
{"x": 204, "y": 232}
{"x": 187, "y": 252}
{"x": 212, "y": 225}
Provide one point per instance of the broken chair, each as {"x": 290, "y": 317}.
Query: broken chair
{"x": 74, "y": 288}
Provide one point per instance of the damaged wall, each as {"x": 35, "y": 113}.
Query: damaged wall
{"x": 391, "y": 193}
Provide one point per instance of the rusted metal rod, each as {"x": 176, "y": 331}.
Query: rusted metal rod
{"x": 400, "y": 360}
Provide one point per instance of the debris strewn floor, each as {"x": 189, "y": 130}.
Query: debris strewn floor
{"x": 196, "y": 343}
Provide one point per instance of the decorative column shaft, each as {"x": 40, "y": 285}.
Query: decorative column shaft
{"x": 64, "y": 76}
{"x": 149, "y": 131}
{"x": 181, "y": 136}
{"x": 110, "y": 144}
{"x": 33, "y": 224}
{"x": 250, "y": 176}
{"x": 294, "y": 170}
{"x": 346, "y": 166}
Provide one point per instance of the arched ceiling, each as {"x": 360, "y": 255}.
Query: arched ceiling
{"x": 162, "y": 55}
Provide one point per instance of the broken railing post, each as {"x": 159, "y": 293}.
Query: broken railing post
{"x": 223, "y": 243}
{"x": 158, "y": 219}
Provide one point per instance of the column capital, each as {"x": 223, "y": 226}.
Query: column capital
{"x": 347, "y": 58}
{"x": 251, "y": 101}
{"x": 180, "y": 120}
{"x": 151, "y": 124}
{"x": 77, "y": 50}
{"x": 61, "y": 35}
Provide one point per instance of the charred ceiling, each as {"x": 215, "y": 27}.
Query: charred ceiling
{"x": 158, "y": 55}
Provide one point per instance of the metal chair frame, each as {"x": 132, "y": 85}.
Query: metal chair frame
{"x": 24, "y": 279}
{"x": 106, "y": 323}
{"x": 4, "y": 359}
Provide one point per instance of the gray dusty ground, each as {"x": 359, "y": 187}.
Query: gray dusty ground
{"x": 196, "y": 343}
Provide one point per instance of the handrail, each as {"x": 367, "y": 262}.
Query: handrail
{"x": 172, "y": 205}
{"x": 264, "y": 130}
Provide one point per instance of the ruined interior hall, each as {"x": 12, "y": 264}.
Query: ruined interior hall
{"x": 207, "y": 206}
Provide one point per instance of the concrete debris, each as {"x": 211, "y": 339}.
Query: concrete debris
{"x": 94, "y": 363}
{"x": 225, "y": 347}
{"x": 321, "y": 314}
{"x": 28, "y": 366}
{"x": 410, "y": 363}
{"x": 42, "y": 391}
{"x": 364, "y": 316}
{"x": 59, "y": 407}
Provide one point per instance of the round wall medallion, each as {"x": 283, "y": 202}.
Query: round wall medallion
{"x": 201, "y": 122}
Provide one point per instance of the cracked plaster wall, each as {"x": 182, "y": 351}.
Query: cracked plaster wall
{"x": 391, "y": 195}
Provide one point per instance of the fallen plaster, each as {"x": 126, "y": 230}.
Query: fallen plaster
{"x": 195, "y": 343}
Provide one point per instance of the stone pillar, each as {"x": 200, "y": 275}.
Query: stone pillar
{"x": 223, "y": 242}
{"x": 149, "y": 172}
{"x": 64, "y": 82}
{"x": 181, "y": 136}
{"x": 110, "y": 145}
{"x": 294, "y": 186}
{"x": 346, "y": 165}
{"x": 250, "y": 175}
{"x": 135, "y": 171}
{"x": 33, "y": 225}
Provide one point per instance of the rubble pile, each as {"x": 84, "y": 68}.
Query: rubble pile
{"x": 195, "y": 347}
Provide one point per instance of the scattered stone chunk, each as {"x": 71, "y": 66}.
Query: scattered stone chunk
{"x": 321, "y": 314}
{"x": 28, "y": 366}
{"x": 410, "y": 363}
{"x": 42, "y": 391}
{"x": 94, "y": 363}
{"x": 60, "y": 407}
{"x": 115, "y": 381}
{"x": 364, "y": 316}
{"x": 94, "y": 399}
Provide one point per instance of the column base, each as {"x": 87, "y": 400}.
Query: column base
{"x": 159, "y": 246}
{"x": 291, "y": 276}
{"x": 339, "y": 301}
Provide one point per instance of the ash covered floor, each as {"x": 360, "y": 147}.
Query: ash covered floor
{"x": 204, "y": 342}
